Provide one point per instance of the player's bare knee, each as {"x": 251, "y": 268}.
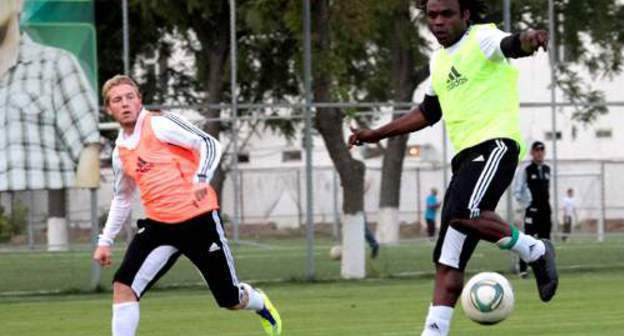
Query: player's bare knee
{"x": 123, "y": 293}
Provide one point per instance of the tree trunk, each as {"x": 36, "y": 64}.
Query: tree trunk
{"x": 217, "y": 58}
{"x": 329, "y": 122}
{"x": 404, "y": 80}
{"x": 215, "y": 55}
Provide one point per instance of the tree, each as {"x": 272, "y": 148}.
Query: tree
{"x": 407, "y": 68}
{"x": 589, "y": 32}
{"x": 201, "y": 30}
{"x": 331, "y": 20}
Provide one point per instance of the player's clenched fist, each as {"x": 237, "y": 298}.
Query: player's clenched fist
{"x": 103, "y": 255}
{"x": 531, "y": 40}
{"x": 359, "y": 136}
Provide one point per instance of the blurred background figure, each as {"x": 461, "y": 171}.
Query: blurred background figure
{"x": 569, "y": 213}
{"x": 433, "y": 205}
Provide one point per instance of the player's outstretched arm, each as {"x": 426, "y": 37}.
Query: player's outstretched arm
{"x": 426, "y": 114}
{"x": 525, "y": 43}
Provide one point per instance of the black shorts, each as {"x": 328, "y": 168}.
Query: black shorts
{"x": 157, "y": 246}
{"x": 538, "y": 222}
{"x": 481, "y": 174}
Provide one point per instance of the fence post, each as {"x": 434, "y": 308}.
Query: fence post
{"x": 241, "y": 196}
{"x": 603, "y": 214}
{"x": 418, "y": 199}
{"x": 96, "y": 270}
{"x": 299, "y": 206}
{"x": 31, "y": 219}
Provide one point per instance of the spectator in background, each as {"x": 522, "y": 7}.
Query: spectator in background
{"x": 569, "y": 213}
{"x": 431, "y": 212}
{"x": 532, "y": 189}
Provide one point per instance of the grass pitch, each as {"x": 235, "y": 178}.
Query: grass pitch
{"x": 588, "y": 303}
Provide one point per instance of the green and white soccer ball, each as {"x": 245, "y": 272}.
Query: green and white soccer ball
{"x": 487, "y": 298}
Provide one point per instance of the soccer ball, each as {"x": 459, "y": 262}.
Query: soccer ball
{"x": 335, "y": 253}
{"x": 487, "y": 298}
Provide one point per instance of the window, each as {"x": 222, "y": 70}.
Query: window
{"x": 243, "y": 157}
{"x": 291, "y": 155}
{"x": 414, "y": 151}
{"x": 604, "y": 133}
{"x": 549, "y": 135}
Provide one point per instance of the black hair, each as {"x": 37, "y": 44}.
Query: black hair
{"x": 477, "y": 8}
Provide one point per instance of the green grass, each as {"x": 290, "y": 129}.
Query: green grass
{"x": 283, "y": 260}
{"x": 587, "y": 304}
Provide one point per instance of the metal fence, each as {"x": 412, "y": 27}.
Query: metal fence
{"x": 272, "y": 232}
{"x": 276, "y": 197}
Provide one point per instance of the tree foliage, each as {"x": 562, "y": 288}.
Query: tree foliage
{"x": 588, "y": 33}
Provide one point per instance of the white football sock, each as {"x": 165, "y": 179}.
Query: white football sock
{"x": 528, "y": 248}
{"x": 125, "y": 318}
{"x": 256, "y": 301}
{"x": 438, "y": 321}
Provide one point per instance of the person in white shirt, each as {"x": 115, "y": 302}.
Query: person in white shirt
{"x": 569, "y": 213}
{"x": 169, "y": 162}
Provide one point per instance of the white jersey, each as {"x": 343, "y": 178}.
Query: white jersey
{"x": 172, "y": 129}
{"x": 569, "y": 206}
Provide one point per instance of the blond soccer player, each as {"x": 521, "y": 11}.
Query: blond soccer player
{"x": 171, "y": 162}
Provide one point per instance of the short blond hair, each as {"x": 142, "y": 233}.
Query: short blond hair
{"x": 118, "y": 80}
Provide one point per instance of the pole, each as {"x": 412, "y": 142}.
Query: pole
{"x": 233, "y": 87}
{"x": 508, "y": 198}
{"x": 126, "y": 37}
{"x": 96, "y": 269}
{"x": 602, "y": 223}
{"x": 553, "y": 108}
{"x": 241, "y": 185}
{"x": 418, "y": 198}
{"x": 31, "y": 219}
{"x": 507, "y": 15}
{"x": 307, "y": 78}
{"x": 299, "y": 207}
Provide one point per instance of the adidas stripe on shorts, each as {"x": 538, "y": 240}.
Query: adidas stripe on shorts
{"x": 157, "y": 246}
{"x": 481, "y": 174}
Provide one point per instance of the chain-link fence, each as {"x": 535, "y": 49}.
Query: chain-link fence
{"x": 271, "y": 241}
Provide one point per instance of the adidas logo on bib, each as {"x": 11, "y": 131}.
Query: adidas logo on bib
{"x": 455, "y": 79}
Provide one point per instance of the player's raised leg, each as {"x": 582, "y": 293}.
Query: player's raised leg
{"x": 208, "y": 249}
{"x": 539, "y": 254}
